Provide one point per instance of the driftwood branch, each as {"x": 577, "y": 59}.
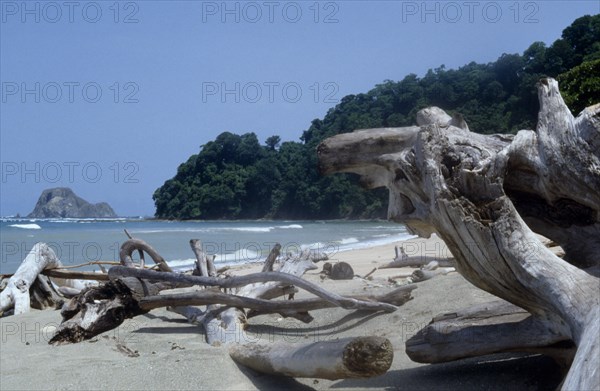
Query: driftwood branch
{"x": 397, "y": 297}
{"x": 201, "y": 264}
{"x": 16, "y": 294}
{"x": 238, "y": 281}
{"x": 131, "y": 245}
{"x": 268, "y": 266}
{"x": 341, "y": 359}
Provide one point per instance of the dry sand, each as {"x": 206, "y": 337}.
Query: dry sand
{"x": 173, "y": 354}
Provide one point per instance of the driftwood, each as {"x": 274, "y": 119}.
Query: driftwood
{"x": 133, "y": 291}
{"x": 490, "y": 328}
{"x": 71, "y": 274}
{"x": 268, "y": 266}
{"x": 224, "y": 324}
{"x": 16, "y": 294}
{"x": 484, "y": 194}
{"x": 341, "y": 359}
{"x": 397, "y": 297}
{"x": 404, "y": 260}
{"x": 424, "y": 274}
{"x": 338, "y": 271}
{"x": 118, "y": 272}
{"x": 131, "y": 245}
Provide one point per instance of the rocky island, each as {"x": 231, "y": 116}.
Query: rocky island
{"x": 62, "y": 202}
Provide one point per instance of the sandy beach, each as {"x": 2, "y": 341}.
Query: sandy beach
{"x": 171, "y": 353}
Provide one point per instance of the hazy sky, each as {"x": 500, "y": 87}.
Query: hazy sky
{"x": 109, "y": 97}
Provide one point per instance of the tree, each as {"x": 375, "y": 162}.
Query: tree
{"x": 273, "y": 142}
{"x": 581, "y": 85}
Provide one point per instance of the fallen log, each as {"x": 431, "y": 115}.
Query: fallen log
{"x": 16, "y": 294}
{"x": 345, "y": 358}
{"x": 489, "y": 328}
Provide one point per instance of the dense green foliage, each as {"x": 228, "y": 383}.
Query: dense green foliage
{"x": 235, "y": 177}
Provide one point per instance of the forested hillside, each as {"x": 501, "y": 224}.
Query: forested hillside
{"x": 235, "y": 177}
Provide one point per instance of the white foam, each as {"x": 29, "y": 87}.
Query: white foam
{"x": 26, "y": 226}
{"x": 251, "y": 229}
{"x": 182, "y": 263}
{"x": 349, "y": 241}
{"x": 291, "y": 226}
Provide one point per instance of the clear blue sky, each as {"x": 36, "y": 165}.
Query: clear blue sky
{"x": 109, "y": 98}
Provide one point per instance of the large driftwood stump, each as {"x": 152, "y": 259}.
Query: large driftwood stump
{"x": 485, "y": 195}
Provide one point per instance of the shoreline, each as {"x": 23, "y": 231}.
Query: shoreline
{"x": 173, "y": 354}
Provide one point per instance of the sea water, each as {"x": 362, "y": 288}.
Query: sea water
{"x": 78, "y": 241}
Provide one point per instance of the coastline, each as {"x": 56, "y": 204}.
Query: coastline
{"x": 173, "y": 354}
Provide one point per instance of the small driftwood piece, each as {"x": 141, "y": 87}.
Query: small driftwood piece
{"x": 16, "y": 294}
{"x": 338, "y": 271}
{"x": 201, "y": 258}
{"x": 268, "y": 266}
{"x": 359, "y": 357}
{"x": 370, "y": 273}
{"x": 404, "y": 260}
{"x": 424, "y": 274}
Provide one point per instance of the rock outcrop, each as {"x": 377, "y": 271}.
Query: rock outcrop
{"x": 62, "y": 202}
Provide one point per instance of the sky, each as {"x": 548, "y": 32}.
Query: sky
{"x": 109, "y": 97}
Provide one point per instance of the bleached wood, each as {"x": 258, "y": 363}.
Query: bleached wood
{"x": 424, "y": 274}
{"x": 345, "y": 358}
{"x": 273, "y": 254}
{"x": 483, "y": 195}
{"x": 16, "y": 293}
{"x": 201, "y": 265}
{"x": 206, "y": 297}
{"x": 488, "y": 328}
{"x": 131, "y": 245}
{"x": 117, "y": 272}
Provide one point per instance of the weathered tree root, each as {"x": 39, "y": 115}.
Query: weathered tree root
{"x": 478, "y": 192}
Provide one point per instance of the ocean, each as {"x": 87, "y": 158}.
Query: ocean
{"x": 78, "y": 241}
